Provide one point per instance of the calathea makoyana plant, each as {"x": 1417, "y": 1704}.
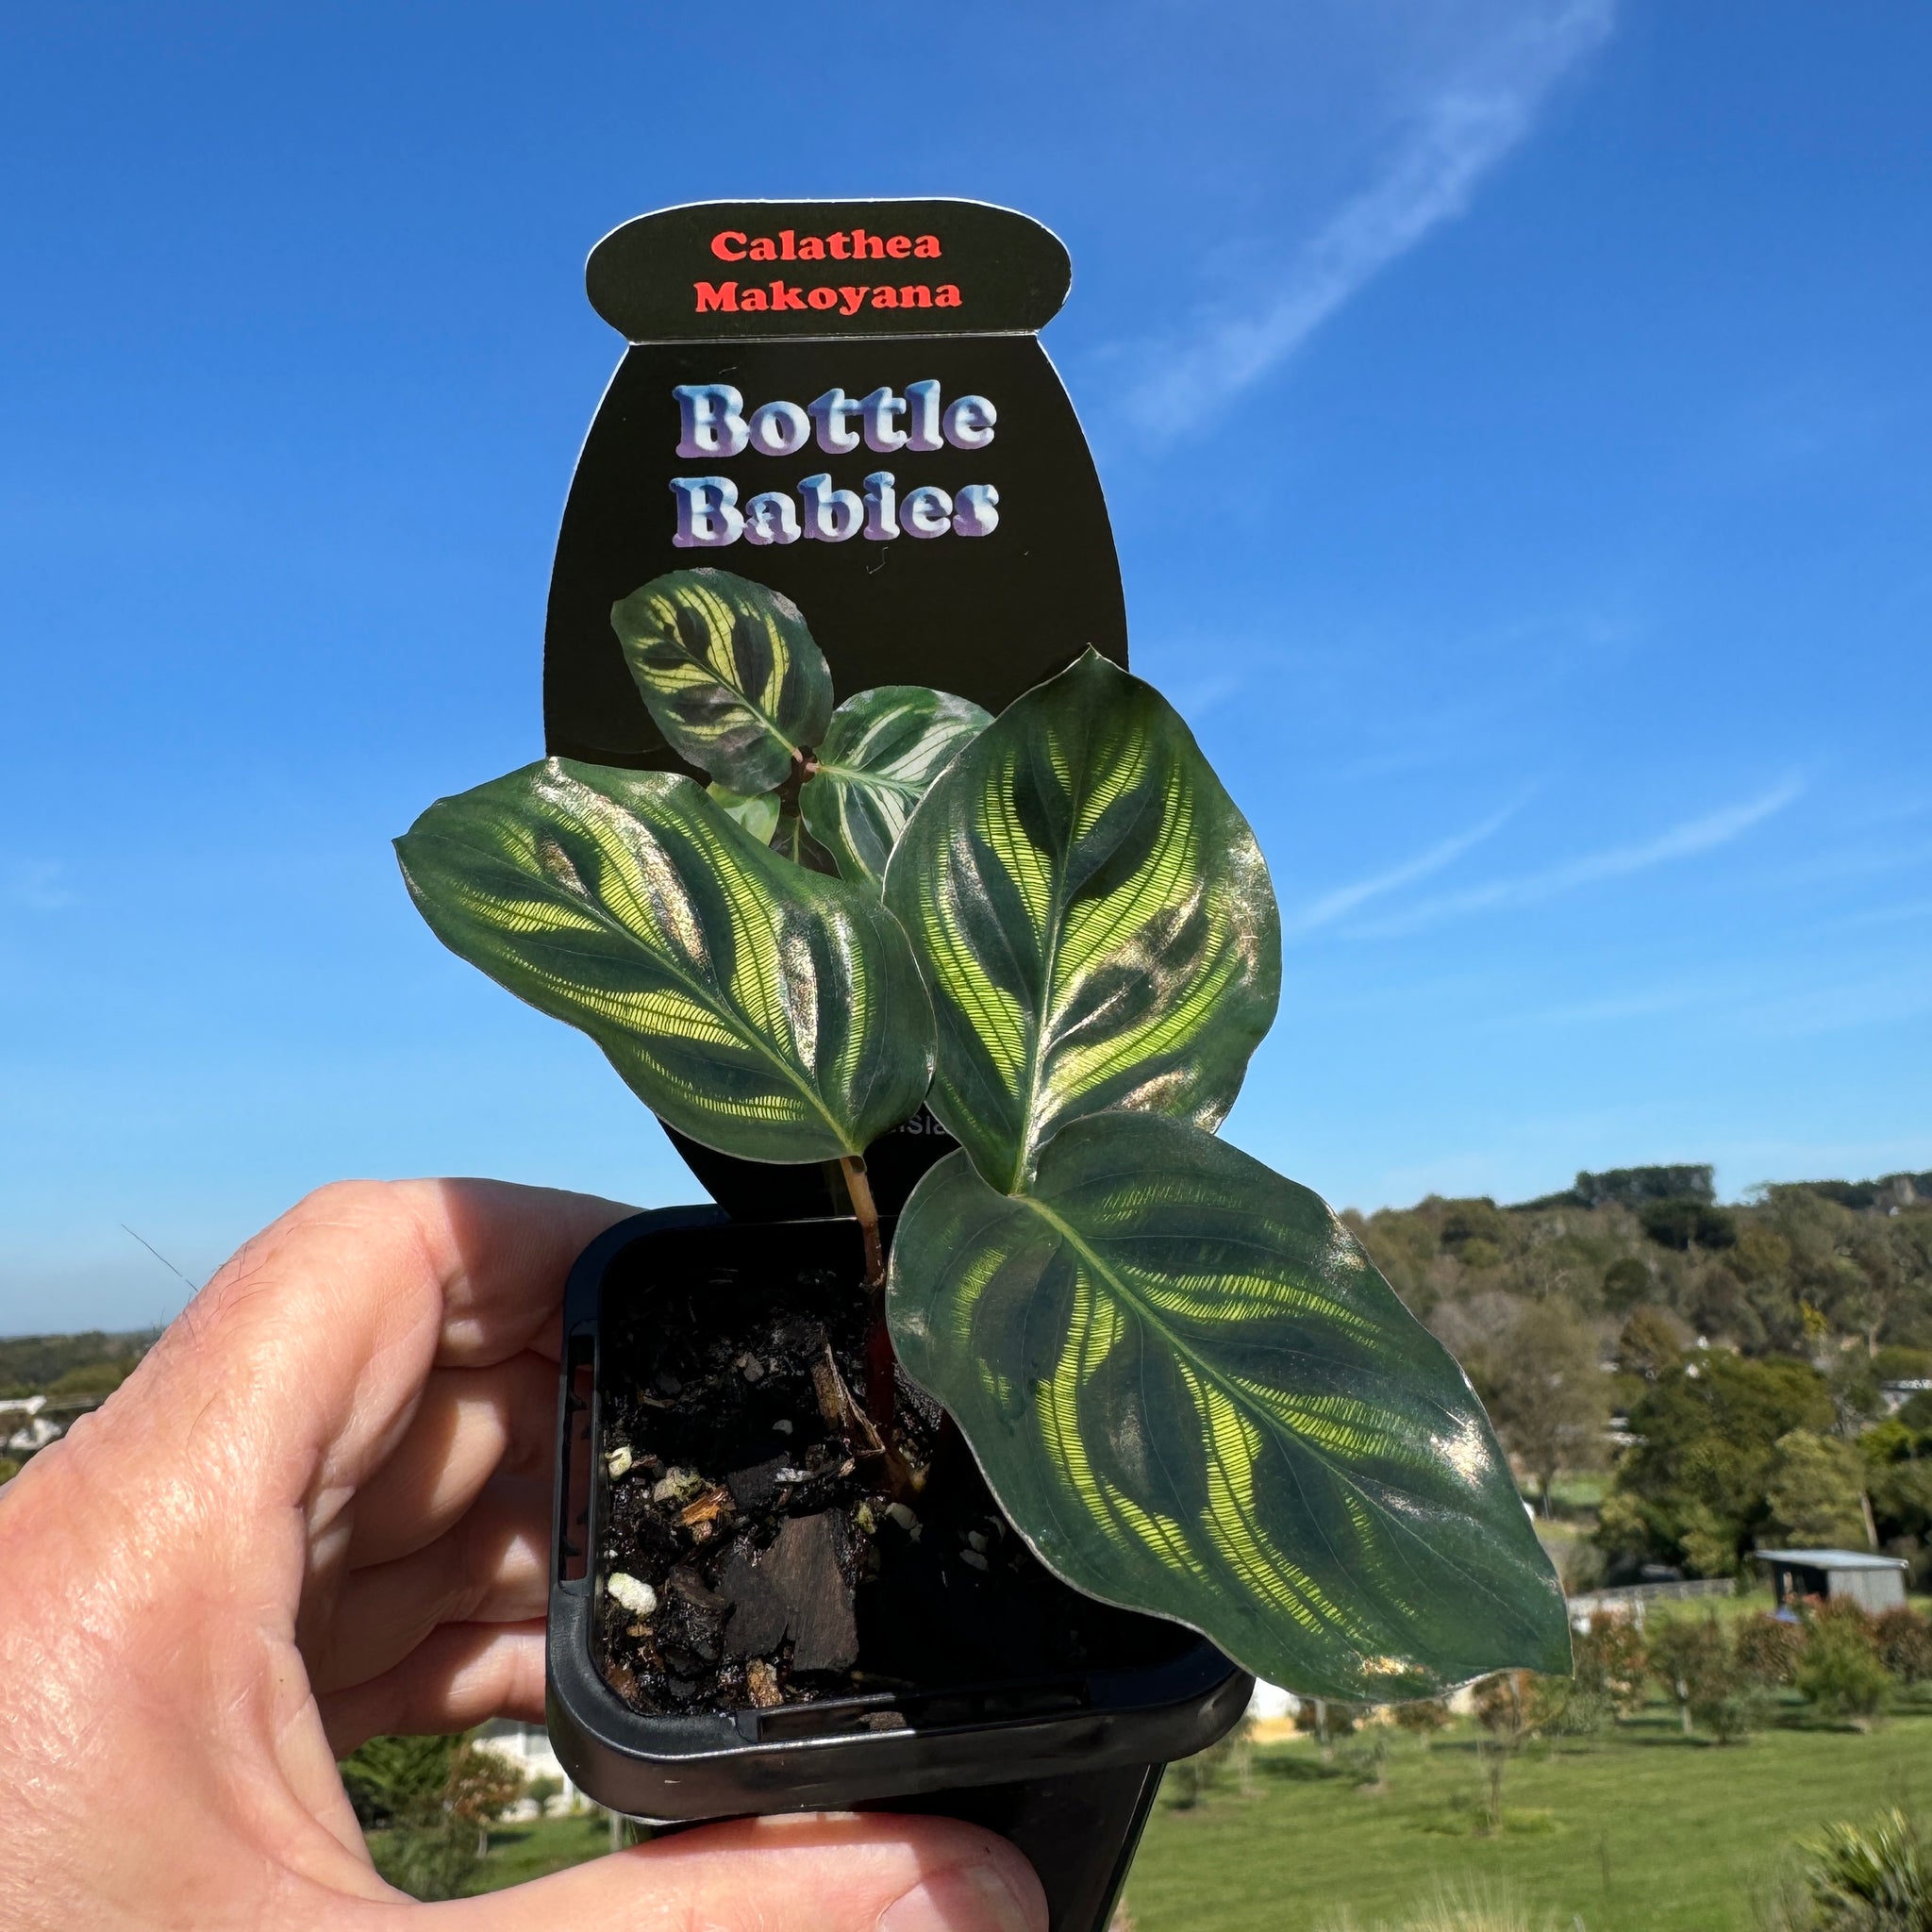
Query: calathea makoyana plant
{"x": 1186, "y": 1383}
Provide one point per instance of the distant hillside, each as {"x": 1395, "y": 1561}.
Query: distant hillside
{"x": 1800, "y": 1267}
{"x": 35, "y": 1364}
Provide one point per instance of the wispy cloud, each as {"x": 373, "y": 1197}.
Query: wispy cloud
{"x": 1465, "y": 125}
{"x": 1685, "y": 841}
{"x": 1344, "y": 899}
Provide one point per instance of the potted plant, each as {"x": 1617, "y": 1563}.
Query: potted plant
{"x": 979, "y": 1492}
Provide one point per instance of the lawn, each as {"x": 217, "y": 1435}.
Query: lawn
{"x": 518, "y": 1852}
{"x": 1648, "y": 1832}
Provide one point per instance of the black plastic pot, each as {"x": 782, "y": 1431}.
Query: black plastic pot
{"x": 1064, "y": 1765}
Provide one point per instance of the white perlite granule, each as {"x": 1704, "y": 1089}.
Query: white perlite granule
{"x": 636, "y": 1596}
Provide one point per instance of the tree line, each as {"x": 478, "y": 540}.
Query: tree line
{"x": 1737, "y": 1368}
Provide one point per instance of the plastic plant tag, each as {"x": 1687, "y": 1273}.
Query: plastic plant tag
{"x": 845, "y": 407}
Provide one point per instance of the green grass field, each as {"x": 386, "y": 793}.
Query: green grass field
{"x": 518, "y": 1852}
{"x": 1645, "y": 1831}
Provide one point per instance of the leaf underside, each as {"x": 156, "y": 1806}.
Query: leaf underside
{"x": 762, "y": 1009}
{"x": 1194, "y": 1395}
{"x": 728, "y": 671}
{"x": 1093, "y": 918}
{"x": 881, "y": 751}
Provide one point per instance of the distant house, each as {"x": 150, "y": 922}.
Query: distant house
{"x": 1874, "y": 1583}
{"x": 22, "y": 1428}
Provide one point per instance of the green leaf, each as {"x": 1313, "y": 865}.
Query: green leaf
{"x": 1194, "y": 1394}
{"x": 759, "y": 815}
{"x": 761, "y": 1010}
{"x": 791, "y": 837}
{"x": 881, "y": 751}
{"x": 1093, "y": 918}
{"x": 729, "y": 672}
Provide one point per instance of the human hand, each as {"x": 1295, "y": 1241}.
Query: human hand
{"x": 319, "y": 1511}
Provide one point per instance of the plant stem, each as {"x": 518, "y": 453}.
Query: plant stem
{"x": 881, "y": 1365}
{"x": 858, "y": 1190}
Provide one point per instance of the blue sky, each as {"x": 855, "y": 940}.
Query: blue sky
{"x": 1515, "y": 416}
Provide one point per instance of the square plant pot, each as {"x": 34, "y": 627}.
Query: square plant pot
{"x": 926, "y": 1661}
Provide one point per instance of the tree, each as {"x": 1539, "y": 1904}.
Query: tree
{"x": 1814, "y": 1493}
{"x": 1687, "y": 1224}
{"x": 1653, "y": 1342}
{"x": 1547, "y": 1395}
{"x": 1506, "y": 1712}
{"x": 428, "y": 1803}
{"x": 1626, "y": 1282}
{"x": 1191, "y": 1781}
{"x": 1695, "y": 1479}
{"x": 1632, "y": 1187}
{"x": 1688, "y": 1656}
{"x": 1610, "y": 1664}
{"x": 483, "y": 1785}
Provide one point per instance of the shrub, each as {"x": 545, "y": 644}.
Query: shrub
{"x": 1423, "y": 1718}
{"x": 1702, "y": 1666}
{"x": 1768, "y": 1649}
{"x": 1455, "y": 1911}
{"x": 1610, "y": 1661}
{"x": 1840, "y": 1674}
{"x": 1904, "y": 1644}
{"x": 542, "y": 1789}
{"x": 1869, "y": 1878}
{"x": 1191, "y": 1781}
{"x": 94, "y": 1378}
{"x": 1730, "y": 1706}
{"x": 1327, "y": 1718}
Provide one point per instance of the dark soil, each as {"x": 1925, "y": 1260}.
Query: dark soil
{"x": 737, "y": 1487}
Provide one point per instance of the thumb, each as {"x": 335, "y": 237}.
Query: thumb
{"x": 821, "y": 1872}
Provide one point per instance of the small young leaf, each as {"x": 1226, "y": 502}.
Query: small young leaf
{"x": 729, "y": 672}
{"x": 1093, "y": 917}
{"x": 759, "y": 815}
{"x": 882, "y": 749}
{"x": 791, "y": 839}
{"x": 1194, "y": 1394}
{"x": 762, "y": 1009}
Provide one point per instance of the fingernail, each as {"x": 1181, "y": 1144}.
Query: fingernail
{"x": 971, "y": 1898}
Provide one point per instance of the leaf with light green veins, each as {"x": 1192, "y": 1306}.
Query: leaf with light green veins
{"x": 1193, "y": 1395}
{"x": 729, "y": 672}
{"x": 882, "y": 749}
{"x": 1093, "y": 918}
{"x": 757, "y": 815}
{"x": 762, "y": 1009}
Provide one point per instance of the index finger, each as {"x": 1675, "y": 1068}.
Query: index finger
{"x": 297, "y": 1369}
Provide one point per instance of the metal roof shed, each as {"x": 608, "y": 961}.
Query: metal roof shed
{"x": 1874, "y": 1583}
